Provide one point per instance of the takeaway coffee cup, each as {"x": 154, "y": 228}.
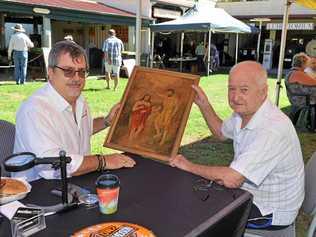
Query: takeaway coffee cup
{"x": 108, "y": 187}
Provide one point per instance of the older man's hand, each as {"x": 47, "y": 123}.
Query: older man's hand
{"x": 116, "y": 161}
{"x": 180, "y": 161}
{"x": 200, "y": 97}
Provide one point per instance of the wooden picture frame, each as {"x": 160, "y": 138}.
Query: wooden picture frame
{"x": 154, "y": 110}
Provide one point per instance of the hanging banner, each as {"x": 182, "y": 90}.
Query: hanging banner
{"x": 291, "y": 26}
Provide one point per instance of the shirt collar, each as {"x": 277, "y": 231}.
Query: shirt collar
{"x": 257, "y": 118}
{"x": 60, "y": 103}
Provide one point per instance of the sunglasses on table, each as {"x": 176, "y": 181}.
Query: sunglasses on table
{"x": 71, "y": 72}
{"x": 202, "y": 187}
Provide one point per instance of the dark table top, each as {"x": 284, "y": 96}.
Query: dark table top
{"x": 152, "y": 194}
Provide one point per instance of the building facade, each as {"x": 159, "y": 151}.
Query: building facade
{"x": 301, "y": 31}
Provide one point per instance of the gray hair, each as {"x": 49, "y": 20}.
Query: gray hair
{"x": 111, "y": 32}
{"x": 299, "y": 60}
{"x": 62, "y": 47}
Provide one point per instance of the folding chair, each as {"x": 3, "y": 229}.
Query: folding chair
{"x": 309, "y": 204}
{"x": 7, "y": 135}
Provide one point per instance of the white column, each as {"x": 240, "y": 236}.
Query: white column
{"x": 237, "y": 46}
{"x": 209, "y": 52}
{"x": 138, "y": 31}
{"x": 282, "y": 49}
{"x": 259, "y": 38}
{"x": 181, "y": 50}
{"x": 131, "y": 38}
{"x": 2, "y": 31}
{"x": 152, "y": 48}
{"x": 47, "y": 33}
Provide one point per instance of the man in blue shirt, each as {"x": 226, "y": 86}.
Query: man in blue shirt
{"x": 112, "y": 48}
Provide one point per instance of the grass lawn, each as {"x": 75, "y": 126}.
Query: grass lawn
{"x": 197, "y": 143}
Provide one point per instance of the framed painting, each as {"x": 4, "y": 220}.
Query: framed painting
{"x": 154, "y": 110}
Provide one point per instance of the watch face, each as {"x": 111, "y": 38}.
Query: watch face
{"x": 89, "y": 199}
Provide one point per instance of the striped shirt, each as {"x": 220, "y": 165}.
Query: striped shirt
{"x": 268, "y": 154}
{"x": 112, "y": 48}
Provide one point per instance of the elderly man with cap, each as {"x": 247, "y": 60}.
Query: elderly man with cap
{"x": 19, "y": 44}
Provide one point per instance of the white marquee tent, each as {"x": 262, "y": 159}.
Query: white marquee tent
{"x": 204, "y": 16}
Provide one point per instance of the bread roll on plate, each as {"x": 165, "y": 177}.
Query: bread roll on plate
{"x": 13, "y": 189}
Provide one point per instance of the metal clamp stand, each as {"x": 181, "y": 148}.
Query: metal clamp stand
{"x": 63, "y": 173}
{"x": 62, "y": 164}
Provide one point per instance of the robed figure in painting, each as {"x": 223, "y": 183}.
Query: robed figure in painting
{"x": 140, "y": 113}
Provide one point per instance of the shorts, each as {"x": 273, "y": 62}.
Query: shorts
{"x": 257, "y": 221}
{"x": 110, "y": 68}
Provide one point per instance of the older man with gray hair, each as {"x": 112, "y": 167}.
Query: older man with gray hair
{"x": 267, "y": 158}
{"x": 57, "y": 117}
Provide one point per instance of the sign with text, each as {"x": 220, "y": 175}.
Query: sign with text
{"x": 291, "y": 26}
{"x": 165, "y": 13}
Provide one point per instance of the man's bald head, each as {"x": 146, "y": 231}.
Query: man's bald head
{"x": 247, "y": 88}
{"x": 252, "y": 70}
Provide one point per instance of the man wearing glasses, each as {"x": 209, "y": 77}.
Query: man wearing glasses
{"x": 57, "y": 117}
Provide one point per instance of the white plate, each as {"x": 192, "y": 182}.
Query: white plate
{"x": 15, "y": 197}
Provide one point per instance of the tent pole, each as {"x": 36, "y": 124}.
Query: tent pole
{"x": 282, "y": 49}
{"x": 138, "y": 31}
{"x": 181, "y": 50}
{"x": 204, "y": 41}
{"x": 237, "y": 45}
{"x": 209, "y": 52}
{"x": 259, "y": 39}
{"x": 152, "y": 42}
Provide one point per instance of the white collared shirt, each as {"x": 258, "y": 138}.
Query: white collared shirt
{"x": 45, "y": 125}
{"x": 268, "y": 154}
{"x": 19, "y": 42}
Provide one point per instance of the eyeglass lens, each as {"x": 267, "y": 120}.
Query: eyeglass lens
{"x": 70, "y": 72}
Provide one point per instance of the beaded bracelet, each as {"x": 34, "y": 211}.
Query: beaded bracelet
{"x": 103, "y": 163}
{"x": 100, "y": 162}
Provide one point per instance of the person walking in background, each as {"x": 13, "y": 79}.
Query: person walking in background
{"x": 112, "y": 48}
{"x": 199, "y": 52}
{"x": 214, "y": 58}
{"x": 69, "y": 37}
{"x": 19, "y": 45}
{"x": 214, "y": 55}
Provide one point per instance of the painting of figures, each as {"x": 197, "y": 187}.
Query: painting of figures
{"x": 153, "y": 114}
